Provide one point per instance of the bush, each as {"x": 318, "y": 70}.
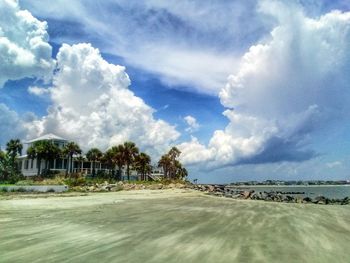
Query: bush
{"x": 25, "y": 182}
{"x": 75, "y": 181}
{"x": 4, "y": 189}
{"x": 21, "y": 189}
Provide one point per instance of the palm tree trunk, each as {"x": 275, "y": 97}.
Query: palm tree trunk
{"x": 119, "y": 174}
{"x": 71, "y": 163}
{"x": 128, "y": 171}
{"x": 67, "y": 165}
{"x": 39, "y": 165}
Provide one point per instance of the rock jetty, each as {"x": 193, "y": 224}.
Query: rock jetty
{"x": 272, "y": 196}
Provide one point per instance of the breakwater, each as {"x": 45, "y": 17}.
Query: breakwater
{"x": 276, "y": 195}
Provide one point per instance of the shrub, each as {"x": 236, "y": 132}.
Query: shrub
{"x": 25, "y": 182}
{"x": 75, "y": 181}
{"x": 4, "y": 189}
{"x": 21, "y": 189}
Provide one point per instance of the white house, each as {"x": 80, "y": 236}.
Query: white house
{"x": 29, "y": 167}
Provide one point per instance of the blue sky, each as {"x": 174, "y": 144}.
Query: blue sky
{"x": 248, "y": 90}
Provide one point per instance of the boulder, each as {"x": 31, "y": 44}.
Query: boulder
{"x": 321, "y": 200}
{"x": 307, "y": 200}
{"x": 345, "y": 201}
{"x": 211, "y": 188}
{"x": 246, "y": 194}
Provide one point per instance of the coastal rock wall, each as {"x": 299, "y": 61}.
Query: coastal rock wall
{"x": 272, "y": 196}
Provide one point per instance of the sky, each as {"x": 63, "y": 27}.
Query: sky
{"x": 247, "y": 90}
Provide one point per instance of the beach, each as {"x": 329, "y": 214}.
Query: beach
{"x": 174, "y": 225}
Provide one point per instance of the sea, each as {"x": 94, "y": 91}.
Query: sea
{"x": 329, "y": 191}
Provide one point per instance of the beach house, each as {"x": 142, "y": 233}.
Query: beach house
{"x": 29, "y": 167}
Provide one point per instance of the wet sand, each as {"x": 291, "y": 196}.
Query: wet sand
{"x": 169, "y": 226}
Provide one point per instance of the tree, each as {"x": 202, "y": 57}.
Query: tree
{"x": 115, "y": 157}
{"x": 8, "y": 172}
{"x": 14, "y": 148}
{"x": 69, "y": 150}
{"x": 43, "y": 150}
{"x": 50, "y": 152}
{"x": 165, "y": 163}
{"x": 130, "y": 151}
{"x": 94, "y": 155}
{"x": 2, "y": 155}
{"x": 173, "y": 154}
{"x": 172, "y": 167}
{"x": 143, "y": 165}
{"x": 80, "y": 159}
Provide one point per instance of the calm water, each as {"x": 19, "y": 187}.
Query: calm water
{"x": 334, "y": 191}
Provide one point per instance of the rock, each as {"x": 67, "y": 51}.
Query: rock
{"x": 307, "y": 200}
{"x": 171, "y": 186}
{"x": 288, "y": 199}
{"x": 345, "y": 201}
{"x": 321, "y": 200}
{"x": 179, "y": 186}
{"x": 246, "y": 194}
{"x": 211, "y": 188}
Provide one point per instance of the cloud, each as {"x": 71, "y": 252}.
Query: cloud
{"x": 334, "y": 164}
{"x": 12, "y": 126}
{"x": 288, "y": 87}
{"x": 192, "y": 45}
{"x": 24, "y": 48}
{"x": 91, "y": 104}
{"x": 38, "y": 91}
{"x": 192, "y": 123}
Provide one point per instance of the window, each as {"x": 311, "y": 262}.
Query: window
{"x": 26, "y": 163}
{"x": 31, "y": 163}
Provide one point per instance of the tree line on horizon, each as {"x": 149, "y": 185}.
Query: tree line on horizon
{"x": 115, "y": 158}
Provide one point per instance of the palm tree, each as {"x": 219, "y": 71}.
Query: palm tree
{"x": 33, "y": 153}
{"x": 50, "y": 152}
{"x": 143, "y": 165}
{"x": 130, "y": 151}
{"x": 2, "y": 155}
{"x": 173, "y": 154}
{"x": 43, "y": 150}
{"x": 165, "y": 163}
{"x": 107, "y": 159}
{"x": 171, "y": 166}
{"x": 13, "y": 148}
{"x": 93, "y": 155}
{"x": 118, "y": 158}
{"x": 69, "y": 150}
{"x": 80, "y": 159}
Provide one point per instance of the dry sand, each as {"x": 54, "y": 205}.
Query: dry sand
{"x": 169, "y": 226}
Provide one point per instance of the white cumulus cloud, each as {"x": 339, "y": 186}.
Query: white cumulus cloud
{"x": 289, "y": 86}
{"x": 24, "y": 48}
{"x": 38, "y": 91}
{"x": 192, "y": 123}
{"x": 91, "y": 104}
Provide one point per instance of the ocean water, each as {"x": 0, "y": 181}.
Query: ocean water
{"x": 329, "y": 191}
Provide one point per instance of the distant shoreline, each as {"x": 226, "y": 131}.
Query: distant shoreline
{"x": 293, "y": 185}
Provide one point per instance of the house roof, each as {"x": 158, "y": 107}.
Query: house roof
{"x": 49, "y": 136}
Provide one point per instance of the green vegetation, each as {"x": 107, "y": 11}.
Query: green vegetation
{"x": 69, "y": 150}
{"x": 9, "y": 171}
{"x": 114, "y": 160}
{"x": 171, "y": 166}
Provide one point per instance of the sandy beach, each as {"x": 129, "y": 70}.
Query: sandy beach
{"x": 169, "y": 226}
